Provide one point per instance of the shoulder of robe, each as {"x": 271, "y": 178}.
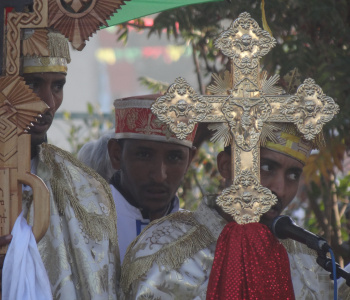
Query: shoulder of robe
{"x": 76, "y": 186}
{"x": 53, "y": 156}
{"x": 167, "y": 242}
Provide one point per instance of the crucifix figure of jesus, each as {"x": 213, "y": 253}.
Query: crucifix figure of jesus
{"x": 243, "y": 107}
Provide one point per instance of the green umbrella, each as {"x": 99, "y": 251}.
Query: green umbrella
{"x": 139, "y": 8}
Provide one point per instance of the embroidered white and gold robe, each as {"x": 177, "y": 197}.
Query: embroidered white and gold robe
{"x": 130, "y": 220}
{"x": 80, "y": 248}
{"x": 172, "y": 259}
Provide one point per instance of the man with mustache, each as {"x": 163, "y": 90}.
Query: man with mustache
{"x": 173, "y": 258}
{"x": 80, "y": 248}
{"x": 150, "y": 164}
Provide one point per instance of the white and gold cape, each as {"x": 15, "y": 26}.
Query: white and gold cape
{"x": 80, "y": 248}
{"x": 173, "y": 256}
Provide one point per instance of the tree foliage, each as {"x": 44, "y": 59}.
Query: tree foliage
{"x": 90, "y": 127}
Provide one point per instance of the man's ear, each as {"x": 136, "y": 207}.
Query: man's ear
{"x": 115, "y": 153}
{"x": 224, "y": 165}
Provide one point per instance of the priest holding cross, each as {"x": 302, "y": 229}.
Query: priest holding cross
{"x": 61, "y": 215}
{"x": 225, "y": 249}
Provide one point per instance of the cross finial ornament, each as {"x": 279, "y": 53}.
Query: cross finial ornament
{"x": 243, "y": 102}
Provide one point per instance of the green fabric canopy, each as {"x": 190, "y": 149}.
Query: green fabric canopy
{"x": 139, "y": 8}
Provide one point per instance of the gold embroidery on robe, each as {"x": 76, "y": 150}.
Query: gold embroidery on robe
{"x": 172, "y": 254}
{"x": 80, "y": 249}
{"x": 189, "y": 280}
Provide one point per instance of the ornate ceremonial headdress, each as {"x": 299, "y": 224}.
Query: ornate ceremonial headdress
{"x": 44, "y": 50}
{"x": 135, "y": 120}
{"x": 285, "y": 138}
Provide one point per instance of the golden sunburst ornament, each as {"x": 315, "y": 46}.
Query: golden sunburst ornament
{"x": 79, "y": 19}
{"x": 220, "y": 84}
{"x": 222, "y": 133}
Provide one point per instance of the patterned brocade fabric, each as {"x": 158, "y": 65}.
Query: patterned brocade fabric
{"x": 173, "y": 257}
{"x": 134, "y": 120}
{"x": 80, "y": 249}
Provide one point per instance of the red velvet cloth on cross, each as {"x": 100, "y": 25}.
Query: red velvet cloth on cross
{"x": 249, "y": 263}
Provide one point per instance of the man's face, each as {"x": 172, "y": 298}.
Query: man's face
{"x": 49, "y": 88}
{"x": 278, "y": 172}
{"x": 151, "y": 172}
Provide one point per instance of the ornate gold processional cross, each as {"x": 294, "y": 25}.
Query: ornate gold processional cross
{"x": 250, "y": 100}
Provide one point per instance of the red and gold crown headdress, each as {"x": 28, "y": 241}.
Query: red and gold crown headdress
{"x": 135, "y": 120}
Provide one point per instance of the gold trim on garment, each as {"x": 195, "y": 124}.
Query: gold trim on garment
{"x": 172, "y": 255}
{"x": 55, "y": 69}
{"x": 44, "y": 64}
{"x": 96, "y": 226}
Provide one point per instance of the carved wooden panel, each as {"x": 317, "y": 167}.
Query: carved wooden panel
{"x": 16, "y": 22}
{"x": 19, "y": 107}
{"x": 79, "y": 19}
